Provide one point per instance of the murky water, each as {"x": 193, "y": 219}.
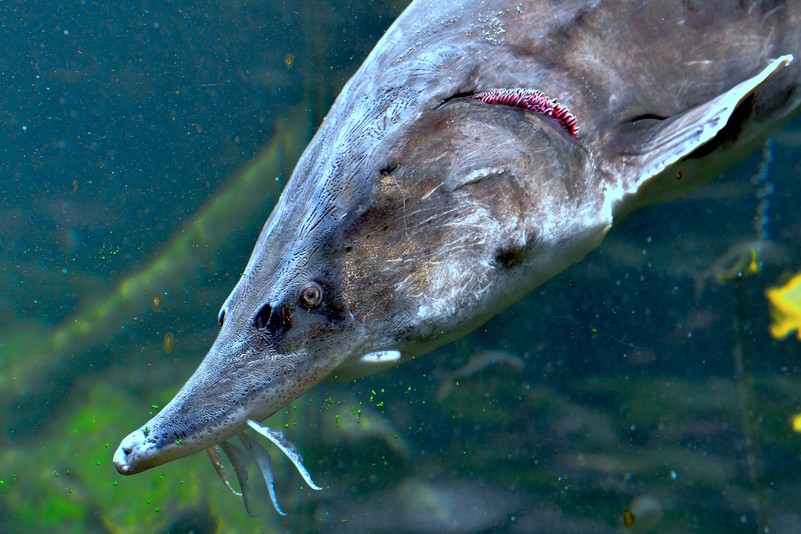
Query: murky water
{"x": 640, "y": 385}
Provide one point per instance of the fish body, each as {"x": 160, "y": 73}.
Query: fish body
{"x": 481, "y": 149}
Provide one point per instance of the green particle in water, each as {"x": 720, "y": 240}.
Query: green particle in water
{"x": 55, "y": 474}
{"x": 115, "y": 482}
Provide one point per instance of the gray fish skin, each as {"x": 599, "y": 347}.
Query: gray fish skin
{"x": 421, "y": 214}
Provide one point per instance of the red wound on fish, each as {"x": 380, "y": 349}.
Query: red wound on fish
{"x": 534, "y": 100}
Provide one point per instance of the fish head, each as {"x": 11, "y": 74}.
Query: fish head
{"x": 273, "y": 329}
{"x": 414, "y": 215}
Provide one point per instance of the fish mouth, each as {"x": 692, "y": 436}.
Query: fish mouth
{"x": 123, "y": 456}
{"x": 138, "y": 452}
{"x": 187, "y": 425}
{"x": 216, "y": 409}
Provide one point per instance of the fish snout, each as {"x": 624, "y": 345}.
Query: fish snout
{"x": 150, "y": 446}
{"x": 128, "y": 458}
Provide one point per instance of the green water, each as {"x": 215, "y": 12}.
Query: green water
{"x": 632, "y": 381}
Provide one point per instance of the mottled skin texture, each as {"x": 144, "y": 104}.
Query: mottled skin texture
{"x": 422, "y": 214}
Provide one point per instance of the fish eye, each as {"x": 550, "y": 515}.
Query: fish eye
{"x": 311, "y": 295}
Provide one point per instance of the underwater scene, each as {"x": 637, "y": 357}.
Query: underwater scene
{"x": 653, "y": 387}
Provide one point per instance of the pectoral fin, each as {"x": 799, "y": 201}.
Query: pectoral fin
{"x": 683, "y": 152}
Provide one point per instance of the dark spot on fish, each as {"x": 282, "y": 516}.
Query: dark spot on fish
{"x": 389, "y": 169}
{"x": 273, "y": 322}
{"x": 262, "y": 318}
{"x": 510, "y": 257}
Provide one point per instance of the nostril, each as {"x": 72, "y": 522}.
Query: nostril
{"x": 127, "y": 450}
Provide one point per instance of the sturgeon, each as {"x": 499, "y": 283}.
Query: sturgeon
{"x": 483, "y": 147}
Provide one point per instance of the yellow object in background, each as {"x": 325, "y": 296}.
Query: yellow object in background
{"x": 737, "y": 262}
{"x": 169, "y": 342}
{"x": 785, "y": 308}
{"x": 796, "y": 423}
